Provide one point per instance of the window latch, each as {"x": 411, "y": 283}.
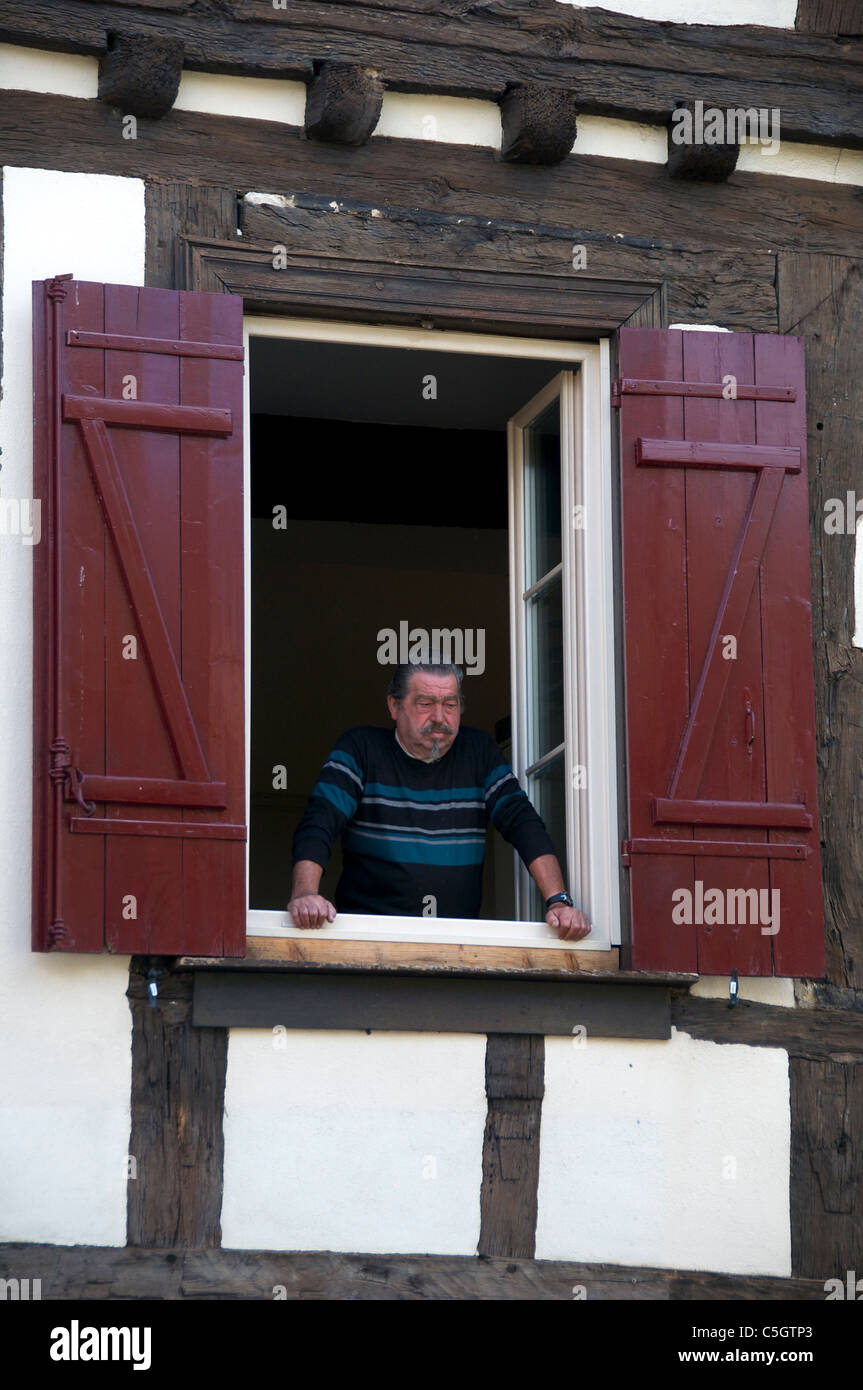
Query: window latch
{"x": 733, "y": 989}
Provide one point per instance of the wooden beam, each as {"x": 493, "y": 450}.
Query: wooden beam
{"x": 690, "y": 156}
{"x": 86, "y": 1273}
{"x": 515, "y": 1085}
{"x": 178, "y": 1095}
{"x": 826, "y": 1168}
{"x": 343, "y": 103}
{"x": 816, "y": 1034}
{"x": 620, "y": 66}
{"x": 599, "y": 196}
{"x": 538, "y": 123}
{"x": 174, "y": 210}
{"x": 140, "y": 74}
{"x": 821, "y": 297}
{"x": 839, "y": 17}
{"x": 407, "y": 1003}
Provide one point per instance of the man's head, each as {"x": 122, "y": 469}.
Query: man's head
{"x": 426, "y": 702}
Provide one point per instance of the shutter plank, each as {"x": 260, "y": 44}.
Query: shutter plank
{"x": 717, "y": 504}
{"x": 656, "y": 644}
{"x": 212, "y": 486}
{"x": 798, "y": 947}
{"x": 148, "y": 869}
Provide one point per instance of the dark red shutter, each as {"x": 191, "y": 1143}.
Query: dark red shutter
{"x": 721, "y": 752}
{"x": 139, "y": 806}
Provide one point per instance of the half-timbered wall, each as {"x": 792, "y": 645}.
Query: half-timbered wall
{"x": 342, "y": 1140}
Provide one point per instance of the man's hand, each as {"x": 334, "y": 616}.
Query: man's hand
{"x": 571, "y": 924}
{"x": 311, "y": 910}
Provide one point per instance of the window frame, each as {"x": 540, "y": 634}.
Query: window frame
{"x": 509, "y": 941}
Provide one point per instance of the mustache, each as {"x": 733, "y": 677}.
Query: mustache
{"x": 436, "y": 728}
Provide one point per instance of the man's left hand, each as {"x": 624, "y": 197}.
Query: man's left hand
{"x": 571, "y": 925}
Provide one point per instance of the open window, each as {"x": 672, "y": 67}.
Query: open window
{"x": 395, "y": 494}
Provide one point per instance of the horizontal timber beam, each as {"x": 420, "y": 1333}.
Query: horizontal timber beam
{"x": 620, "y": 66}
{"x": 88, "y": 1272}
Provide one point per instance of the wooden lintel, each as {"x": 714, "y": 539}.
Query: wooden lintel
{"x": 343, "y": 103}
{"x": 140, "y": 74}
{"x": 538, "y": 123}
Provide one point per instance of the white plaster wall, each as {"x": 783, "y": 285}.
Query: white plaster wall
{"x": 65, "y": 1025}
{"x": 354, "y": 1141}
{"x": 778, "y": 14}
{"x": 673, "y": 1154}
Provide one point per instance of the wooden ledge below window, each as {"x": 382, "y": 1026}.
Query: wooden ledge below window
{"x": 414, "y": 957}
{"x": 415, "y": 987}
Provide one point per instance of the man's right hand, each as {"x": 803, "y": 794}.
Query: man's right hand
{"x": 311, "y": 910}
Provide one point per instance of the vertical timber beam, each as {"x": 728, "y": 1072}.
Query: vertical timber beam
{"x": 514, "y": 1083}
{"x": 826, "y": 1168}
{"x": 176, "y": 1147}
{"x": 176, "y": 210}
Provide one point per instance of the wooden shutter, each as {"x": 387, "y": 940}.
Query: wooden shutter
{"x": 720, "y": 746}
{"x": 139, "y": 776}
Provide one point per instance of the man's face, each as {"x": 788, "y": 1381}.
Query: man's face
{"x": 427, "y": 719}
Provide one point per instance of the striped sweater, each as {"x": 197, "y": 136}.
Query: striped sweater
{"x": 411, "y": 829}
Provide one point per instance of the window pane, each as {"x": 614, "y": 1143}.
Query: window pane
{"x": 545, "y": 671}
{"x": 546, "y": 790}
{"x": 542, "y": 493}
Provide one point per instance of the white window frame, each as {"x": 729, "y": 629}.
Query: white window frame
{"x": 590, "y": 402}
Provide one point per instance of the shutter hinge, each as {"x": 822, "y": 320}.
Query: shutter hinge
{"x": 615, "y": 394}
{"x": 62, "y": 770}
{"x": 625, "y": 849}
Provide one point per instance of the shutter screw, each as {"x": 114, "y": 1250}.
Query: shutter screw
{"x": 152, "y": 986}
{"x": 733, "y": 990}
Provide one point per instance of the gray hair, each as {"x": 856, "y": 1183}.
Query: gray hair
{"x": 401, "y": 681}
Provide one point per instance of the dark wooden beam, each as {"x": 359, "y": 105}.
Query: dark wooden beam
{"x": 538, "y": 123}
{"x": 514, "y": 1085}
{"x": 177, "y": 210}
{"x": 88, "y": 1273}
{"x": 634, "y": 199}
{"x": 691, "y": 157}
{"x": 816, "y": 1034}
{"x": 178, "y": 1095}
{"x": 343, "y": 103}
{"x": 262, "y": 999}
{"x": 140, "y": 74}
{"x": 619, "y": 65}
{"x": 700, "y": 284}
{"x": 826, "y": 1168}
{"x": 821, "y": 298}
{"x": 839, "y": 17}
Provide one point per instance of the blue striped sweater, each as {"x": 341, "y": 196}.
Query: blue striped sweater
{"x": 412, "y": 829}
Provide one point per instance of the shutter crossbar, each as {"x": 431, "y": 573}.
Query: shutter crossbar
{"x": 153, "y": 791}
{"x": 172, "y": 347}
{"x": 712, "y": 849}
{"x": 712, "y": 390}
{"x": 181, "y": 830}
{"x": 774, "y": 815}
{"x": 185, "y": 419}
{"x": 684, "y": 453}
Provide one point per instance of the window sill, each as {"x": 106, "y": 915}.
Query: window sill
{"x": 413, "y": 987}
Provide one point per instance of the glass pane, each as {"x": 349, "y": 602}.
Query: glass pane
{"x": 542, "y": 494}
{"x": 546, "y": 791}
{"x": 544, "y": 623}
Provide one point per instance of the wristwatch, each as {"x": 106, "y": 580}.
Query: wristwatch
{"x": 563, "y": 898}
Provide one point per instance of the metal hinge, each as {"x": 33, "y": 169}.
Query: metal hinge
{"x": 615, "y": 394}
{"x": 625, "y": 850}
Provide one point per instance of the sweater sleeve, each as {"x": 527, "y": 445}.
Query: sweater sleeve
{"x": 510, "y": 811}
{"x": 333, "y": 802}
